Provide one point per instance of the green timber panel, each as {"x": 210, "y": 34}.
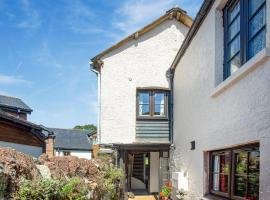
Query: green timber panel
{"x": 152, "y": 131}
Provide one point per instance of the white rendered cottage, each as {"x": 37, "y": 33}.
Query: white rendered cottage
{"x": 134, "y": 99}
{"x": 222, "y": 102}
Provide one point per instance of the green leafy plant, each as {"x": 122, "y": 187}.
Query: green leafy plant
{"x": 166, "y": 190}
{"x": 49, "y": 189}
{"x": 111, "y": 179}
{"x": 75, "y": 189}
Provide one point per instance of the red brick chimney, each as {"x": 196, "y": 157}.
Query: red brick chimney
{"x": 49, "y": 144}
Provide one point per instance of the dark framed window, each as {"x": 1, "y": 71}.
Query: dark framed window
{"x": 245, "y": 32}
{"x": 66, "y": 153}
{"x": 152, "y": 104}
{"x": 234, "y": 173}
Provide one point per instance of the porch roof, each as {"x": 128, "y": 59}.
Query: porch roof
{"x": 143, "y": 146}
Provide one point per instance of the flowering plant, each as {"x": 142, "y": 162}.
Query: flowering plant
{"x": 166, "y": 191}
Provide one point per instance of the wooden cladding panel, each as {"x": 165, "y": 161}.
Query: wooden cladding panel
{"x": 10, "y": 133}
{"x": 152, "y": 131}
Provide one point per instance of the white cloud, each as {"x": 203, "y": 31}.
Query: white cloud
{"x": 135, "y": 14}
{"x": 12, "y": 80}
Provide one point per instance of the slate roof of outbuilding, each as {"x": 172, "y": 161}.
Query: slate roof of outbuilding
{"x": 14, "y": 103}
{"x": 71, "y": 139}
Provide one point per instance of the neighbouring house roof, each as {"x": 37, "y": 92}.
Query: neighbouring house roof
{"x": 205, "y": 8}
{"x": 70, "y": 139}
{"x": 176, "y": 13}
{"x": 35, "y": 129}
{"x": 14, "y": 103}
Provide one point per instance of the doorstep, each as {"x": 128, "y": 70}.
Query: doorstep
{"x": 144, "y": 197}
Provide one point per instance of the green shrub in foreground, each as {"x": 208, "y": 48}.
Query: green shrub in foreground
{"x": 49, "y": 189}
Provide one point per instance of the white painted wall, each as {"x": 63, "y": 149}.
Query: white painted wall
{"x": 79, "y": 154}
{"x": 238, "y": 115}
{"x": 154, "y": 172}
{"x": 27, "y": 149}
{"x": 138, "y": 63}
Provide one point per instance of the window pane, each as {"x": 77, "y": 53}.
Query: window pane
{"x": 234, "y": 28}
{"x": 220, "y": 172}
{"x": 215, "y": 182}
{"x": 241, "y": 162}
{"x": 240, "y": 186}
{"x": 144, "y": 98}
{"x": 256, "y": 44}
{"x": 234, "y": 46}
{"x": 223, "y": 183}
{"x": 234, "y": 64}
{"x": 253, "y": 187}
{"x": 254, "y": 5}
{"x": 159, "y": 104}
{"x": 159, "y": 110}
{"x": 216, "y": 165}
{"x": 159, "y": 98}
{"x": 144, "y": 109}
{"x": 234, "y": 11}
{"x": 257, "y": 22}
{"x": 254, "y": 162}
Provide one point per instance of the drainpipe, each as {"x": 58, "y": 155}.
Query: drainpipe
{"x": 99, "y": 107}
{"x": 170, "y": 76}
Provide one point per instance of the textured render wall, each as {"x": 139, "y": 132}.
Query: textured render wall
{"x": 238, "y": 115}
{"x": 139, "y": 63}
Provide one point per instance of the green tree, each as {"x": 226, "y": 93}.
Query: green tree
{"x": 86, "y": 127}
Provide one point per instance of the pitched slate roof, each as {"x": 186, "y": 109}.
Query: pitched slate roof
{"x": 71, "y": 139}
{"x": 14, "y": 103}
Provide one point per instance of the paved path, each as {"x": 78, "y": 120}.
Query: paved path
{"x": 145, "y": 197}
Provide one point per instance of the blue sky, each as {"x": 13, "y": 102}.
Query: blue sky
{"x": 45, "y": 48}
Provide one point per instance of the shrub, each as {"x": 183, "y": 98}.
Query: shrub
{"x": 109, "y": 183}
{"x": 75, "y": 189}
{"x": 49, "y": 189}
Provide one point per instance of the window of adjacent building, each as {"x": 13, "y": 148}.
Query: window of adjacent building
{"x": 152, "y": 103}
{"x": 66, "y": 153}
{"x": 245, "y": 32}
{"x": 234, "y": 173}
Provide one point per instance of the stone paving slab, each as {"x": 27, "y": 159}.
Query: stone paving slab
{"x": 145, "y": 197}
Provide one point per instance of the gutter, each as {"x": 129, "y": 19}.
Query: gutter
{"x": 204, "y": 10}
{"x": 92, "y": 68}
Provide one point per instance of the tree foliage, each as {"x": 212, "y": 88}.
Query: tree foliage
{"x": 91, "y": 127}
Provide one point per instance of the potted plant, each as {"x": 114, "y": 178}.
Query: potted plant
{"x": 166, "y": 191}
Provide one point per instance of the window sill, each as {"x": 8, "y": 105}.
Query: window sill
{"x": 152, "y": 118}
{"x": 213, "y": 197}
{"x": 251, "y": 65}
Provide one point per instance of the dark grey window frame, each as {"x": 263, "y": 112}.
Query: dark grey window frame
{"x": 244, "y": 31}
{"x": 152, "y": 104}
{"x": 231, "y": 180}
